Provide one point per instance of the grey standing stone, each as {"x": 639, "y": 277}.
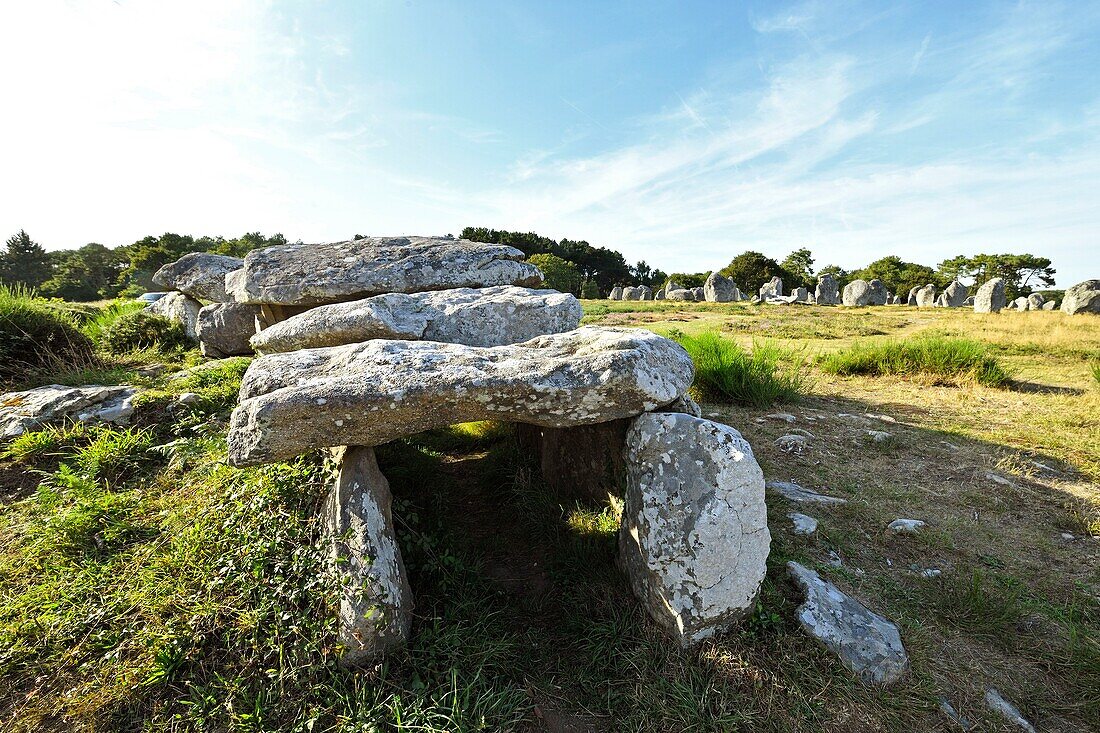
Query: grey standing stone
{"x": 616, "y": 293}
{"x": 659, "y": 295}
{"x": 183, "y": 309}
{"x": 926, "y": 296}
{"x": 632, "y": 293}
{"x": 673, "y": 285}
{"x": 990, "y": 297}
{"x": 857, "y": 293}
{"x": 866, "y": 643}
{"x": 719, "y": 289}
{"x": 878, "y": 292}
{"x": 694, "y": 539}
{"x": 377, "y": 391}
{"x": 1050, "y": 305}
{"x": 199, "y": 274}
{"x": 36, "y": 408}
{"x": 376, "y": 601}
{"x": 1035, "y": 301}
{"x": 827, "y": 292}
{"x": 955, "y": 294}
{"x": 1084, "y": 297}
{"x": 772, "y": 289}
{"x": 225, "y": 329}
{"x": 312, "y": 274}
{"x": 647, "y": 292}
{"x": 681, "y": 294}
{"x": 969, "y": 302}
{"x": 1021, "y": 303}
{"x": 800, "y": 295}
{"x": 911, "y": 299}
{"x": 700, "y": 296}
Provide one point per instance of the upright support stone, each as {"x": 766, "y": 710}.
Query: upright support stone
{"x": 375, "y": 598}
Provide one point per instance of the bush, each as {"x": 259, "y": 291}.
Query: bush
{"x": 141, "y": 330}
{"x": 941, "y": 358}
{"x": 35, "y": 336}
{"x": 725, "y": 372}
{"x": 97, "y": 324}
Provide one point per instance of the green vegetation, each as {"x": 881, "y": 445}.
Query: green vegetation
{"x": 725, "y": 372}
{"x": 1094, "y": 367}
{"x": 558, "y": 274}
{"x": 935, "y": 357}
{"x": 750, "y": 270}
{"x": 35, "y": 336}
{"x": 897, "y": 275}
{"x": 129, "y": 330}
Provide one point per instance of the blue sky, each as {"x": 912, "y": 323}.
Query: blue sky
{"x": 678, "y": 133}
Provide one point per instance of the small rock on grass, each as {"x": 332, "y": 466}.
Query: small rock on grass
{"x": 948, "y": 709}
{"x": 998, "y": 479}
{"x": 792, "y": 443}
{"x": 791, "y": 491}
{"x": 999, "y": 705}
{"x": 189, "y": 398}
{"x": 905, "y": 526}
{"x": 784, "y": 416}
{"x": 804, "y": 524}
{"x": 879, "y": 436}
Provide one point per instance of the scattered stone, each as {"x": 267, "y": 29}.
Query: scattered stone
{"x": 911, "y": 299}
{"x": 905, "y": 526}
{"x": 996, "y": 702}
{"x": 189, "y": 398}
{"x": 151, "y": 370}
{"x": 926, "y": 296}
{"x": 700, "y": 296}
{"x": 659, "y": 295}
{"x": 312, "y": 274}
{"x": 1035, "y": 301}
{"x": 635, "y": 293}
{"x": 867, "y": 644}
{"x": 225, "y": 329}
{"x": 694, "y": 538}
{"x": 792, "y": 443}
{"x": 376, "y": 601}
{"x": 879, "y": 436}
{"x": 41, "y": 406}
{"x": 950, "y": 712}
{"x": 1050, "y": 305}
{"x": 772, "y": 289}
{"x": 1084, "y": 297}
{"x": 998, "y": 479}
{"x": 861, "y": 293}
{"x": 719, "y": 289}
{"x": 955, "y": 294}
{"x": 377, "y": 391}
{"x": 784, "y": 416}
{"x": 827, "y": 292}
{"x": 804, "y": 524}
{"x": 200, "y": 275}
{"x": 475, "y": 317}
{"x": 681, "y": 294}
{"x": 1068, "y": 537}
{"x": 1021, "y": 303}
{"x": 990, "y": 297}
{"x": 791, "y": 491}
{"x": 180, "y": 308}
{"x": 931, "y": 573}
{"x": 616, "y": 293}
{"x": 881, "y": 418}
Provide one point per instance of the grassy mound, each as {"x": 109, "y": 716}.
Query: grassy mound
{"x": 725, "y": 372}
{"x": 132, "y": 330}
{"x": 35, "y": 336}
{"x": 942, "y": 359}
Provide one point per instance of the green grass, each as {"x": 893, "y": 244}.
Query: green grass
{"x": 96, "y": 325}
{"x": 727, "y": 373}
{"x": 1094, "y": 367}
{"x": 36, "y": 337}
{"x": 952, "y": 359}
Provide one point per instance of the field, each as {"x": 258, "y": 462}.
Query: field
{"x": 145, "y": 585}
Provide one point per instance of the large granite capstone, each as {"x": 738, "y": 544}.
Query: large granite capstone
{"x": 199, "y": 274}
{"x": 470, "y": 316}
{"x": 313, "y": 274}
{"x": 373, "y": 392}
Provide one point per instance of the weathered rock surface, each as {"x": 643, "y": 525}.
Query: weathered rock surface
{"x": 969, "y": 302}
{"x": 376, "y": 601}
{"x": 802, "y": 524}
{"x": 926, "y": 296}
{"x": 616, "y": 293}
{"x": 905, "y": 526}
{"x": 867, "y": 644}
{"x": 955, "y": 294}
{"x": 681, "y": 294}
{"x": 990, "y": 297}
{"x": 374, "y": 392}
{"x": 700, "y": 296}
{"x": 996, "y": 702}
{"x": 858, "y": 293}
{"x": 694, "y": 539}
{"x": 647, "y": 292}
{"x": 659, "y": 295}
{"x": 225, "y": 328}
{"x": 1050, "y": 305}
{"x": 633, "y": 293}
{"x": 1084, "y": 297}
{"x": 827, "y": 292}
{"x": 199, "y": 274}
{"x": 878, "y": 292}
{"x": 41, "y": 406}
{"x": 183, "y": 309}
{"x": 772, "y": 289}
{"x": 791, "y": 491}
{"x": 1021, "y": 303}
{"x": 1035, "y": 301}
{"x": 801, "y": 295}
{"x": 312, "y": 274}
{"x": 911, "y": 299}
{"x": 471, "y": 316}
{"x": 719, "y": 289}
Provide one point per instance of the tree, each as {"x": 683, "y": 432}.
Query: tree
{"x": 799, "y": 265}
{"x": 558, "y": 273}
{"x": 25, "y": 262}
{"x": 750, "y": 270}
{"x": 1018, "y": 271}
{"x": 686, "y": 279}
{"x": 898, "y": 275}
{"x": 842, "y": 276}
{"x": 88, "y": 273}
{"x": 590, "y": 290}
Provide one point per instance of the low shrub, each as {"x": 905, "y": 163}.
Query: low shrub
{"x": 141, "y": 330}
{"x": 96, "y": 324}
{"x": 35, "y": 336}
{"x": 725, "y": 372}
{"x": 940, "y": 358}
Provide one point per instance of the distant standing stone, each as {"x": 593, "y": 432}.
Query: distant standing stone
{"x": 681, "y": 294}
{"x": 632, "y": 293}
{"x": 647, "y": 293}
{"x": 1050, "y": 305}
{"x": 772, "y": 289}
{"x": 1084, "y": 297}
{"x": 659, "y": 295}
{"x": 827, "y": 292}
{"x": 857, "y": 293}
{"x": 911, "y": 299}
{"x": 867, "y": 644}
{"x": 990, "y": 297}
{"x": 719, "y": 289}
{"x": 700, "y": 296}
{"x": 926, "y": 296}
{"x": 1035, "y": 302}
{"x": 616, "y": 293}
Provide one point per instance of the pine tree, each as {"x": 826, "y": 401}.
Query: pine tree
{"x": 25, "y": 262}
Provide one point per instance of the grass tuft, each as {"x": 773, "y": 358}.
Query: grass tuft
{"x": 951, "y": 359}
{"x": 727, "y": 373}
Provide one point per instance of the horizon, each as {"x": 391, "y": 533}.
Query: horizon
{"x": 677, "y": 136}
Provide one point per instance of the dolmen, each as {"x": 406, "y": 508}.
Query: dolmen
{"x": 371, "y": 367}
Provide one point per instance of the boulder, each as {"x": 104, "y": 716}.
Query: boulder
{"x": 858, "y": 293}
{"x": 313, "y": 274}
{"x": 647, "y": 292}
{"x": 475, "y": 317}
{"x": 1084, "y": 297}
{"x": 955, "y": 294}
{"x": 719, "y": 289}
{"x": 969, "y": 302}
{"x": 800, "y": 295}
{"x": 1021, "y": 304}
{"x": 996, "y": 702}
{"x": 200, "y": 275}
{"x": 911, "y": 299}
{"x": 867, "y": 644}
{"x": 381, "y": 390}
{"x": 694, "y": 538}
{"x": 681, "y": 294}
{"x": 941, "y": 300}
{"x": 926, "y": 296}
{"x": 41, "y": 406}
{"x": 1050, "y": 305}
{"x": 673, "y": 285}
{"x": 1035, "y": 302}
{"x": 827, "y": 292}
{"x": 700, "y": 296}
{"x": 878, "y": 292}
{"x": 632, "y": 293}
{"x": 225, "y": 329}
{"x": 183, "y": 309}
{"x": 376, "y": 602}
{"x": 616, "y": 293}
{"x": 990, "y": 297}
{"x": 659, "y": 295}
{"x": 802, "y": 524}
{"x": 772, "y": 289}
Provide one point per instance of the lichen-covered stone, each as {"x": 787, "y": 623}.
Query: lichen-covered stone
{"x": 471, "y": 316}
{"x": 376, "y": 601}
{"x": 377, "y": 391}
{"x": 313, "y": 274}
{"x": 694, "y": 539}
{"x": 182, "y": 309}
{"x": 857, "y": 293}
{"x": 682, "y": 294}
{"x": 827, "y": 292}
{"x": 225, "y": 328}
{"x": 1084, "y": 297}
{"x": 955, "y": 294}
{"x": 719, "y": 289}
{"x": 926, "y": 296}
{"x": 772, "y": 289}
{"x": 990, "y": 297}
{"x": 199, "y": 274}
{"x": 41, "y": 406}
{"x": 616, "y": 293}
